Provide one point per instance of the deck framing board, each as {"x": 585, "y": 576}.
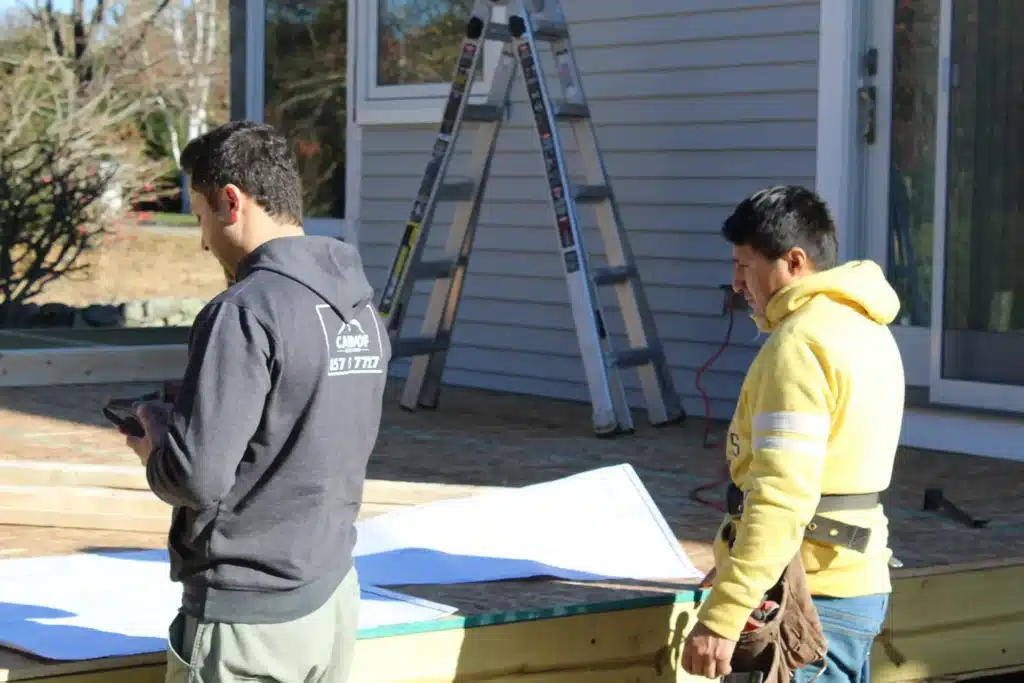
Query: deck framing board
{"x": 641, "y": 639}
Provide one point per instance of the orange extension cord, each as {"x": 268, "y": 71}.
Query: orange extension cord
{"x": 709, "y": 444}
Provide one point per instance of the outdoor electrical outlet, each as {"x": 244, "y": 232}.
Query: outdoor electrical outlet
{"x": 732, "y": 300}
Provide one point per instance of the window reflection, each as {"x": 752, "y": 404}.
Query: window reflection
{"x": 418, "y": 41}
{"x": 305, "y": 89}
{"x": 983, "y": 311}
{"x": 912, "y": 167}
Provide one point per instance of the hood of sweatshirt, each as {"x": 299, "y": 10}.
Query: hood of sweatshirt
{"x": 859, "y": 285}
{"x": 327, "y": 266}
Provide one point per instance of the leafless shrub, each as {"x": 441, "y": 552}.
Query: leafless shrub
{"x": 71, "y": 160}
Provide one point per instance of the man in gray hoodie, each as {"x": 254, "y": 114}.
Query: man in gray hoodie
{"x": 263, "y": 453}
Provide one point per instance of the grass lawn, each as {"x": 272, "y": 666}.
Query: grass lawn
{"x": 139, "y": 263}
{"x": 175, "y": 220}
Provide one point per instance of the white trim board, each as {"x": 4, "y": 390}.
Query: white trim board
{"x": 92, "y": 365}
{"x": 948, "y": 431}
{"x": 837, "y": 145}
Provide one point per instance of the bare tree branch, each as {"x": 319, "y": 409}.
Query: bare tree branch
{"x": 186, "y": 54}
{"x": 94, "y": 40}
{"x": 68, "y": 161}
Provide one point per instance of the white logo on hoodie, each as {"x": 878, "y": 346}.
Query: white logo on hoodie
{"x": 354, "y": 351}
{"x": 351, "y": 338}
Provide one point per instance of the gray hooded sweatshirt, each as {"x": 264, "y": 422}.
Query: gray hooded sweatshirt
{"x": 267, "y": 447}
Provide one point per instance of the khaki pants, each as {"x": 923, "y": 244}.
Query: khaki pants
{"x": 317, "y": 648}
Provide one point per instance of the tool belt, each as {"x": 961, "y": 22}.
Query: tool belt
{"x": 792, "y": 637}
{"x": 820, "y": 528}
{"x": 789, "y": 641}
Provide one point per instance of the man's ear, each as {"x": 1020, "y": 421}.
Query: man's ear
{"x": 798, "y": 262}
{"x": 230, "y": 207}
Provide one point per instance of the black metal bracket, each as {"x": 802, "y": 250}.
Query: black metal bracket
{"x": 935, "y": 501}
{"x": 731, "y": 300}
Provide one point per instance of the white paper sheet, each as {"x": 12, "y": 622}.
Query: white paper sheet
{"x": 600, "y": 524}
{"x": 86, "y": 606}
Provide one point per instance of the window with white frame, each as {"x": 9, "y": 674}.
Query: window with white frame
{"x": 407, "y": 50}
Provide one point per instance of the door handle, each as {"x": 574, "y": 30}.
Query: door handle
{"x": 867, "y": 106}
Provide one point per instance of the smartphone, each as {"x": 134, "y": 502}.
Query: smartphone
{"x": 119, "y": 411}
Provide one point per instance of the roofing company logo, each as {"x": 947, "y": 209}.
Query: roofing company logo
{"x": 351, "y": 338}
{"x": 355, "y": 349}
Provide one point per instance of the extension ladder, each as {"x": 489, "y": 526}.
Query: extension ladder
{"x": 526, "y": 26}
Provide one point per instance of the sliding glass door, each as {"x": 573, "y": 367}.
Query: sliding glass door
{"x": 977, "y": 331}
{"x": 945, "y": 192}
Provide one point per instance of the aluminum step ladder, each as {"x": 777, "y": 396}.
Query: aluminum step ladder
{"x": 529, "y": 22}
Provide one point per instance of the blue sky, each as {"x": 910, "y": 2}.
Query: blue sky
{"x": 58, "y": 4}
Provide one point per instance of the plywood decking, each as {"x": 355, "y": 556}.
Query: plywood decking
{"x": 117, "y": 497}
{"x": 484, "y": 439}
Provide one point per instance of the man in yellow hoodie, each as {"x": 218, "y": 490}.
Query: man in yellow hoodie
{"x": 812, "y": 441}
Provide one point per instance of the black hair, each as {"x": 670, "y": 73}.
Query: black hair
{"x": 254, "y": 157}
{"x": 777, "y": 219}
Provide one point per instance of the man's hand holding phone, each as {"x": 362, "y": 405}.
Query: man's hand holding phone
{"x": 152, "y": 416}
{"x": 142, "y": 420}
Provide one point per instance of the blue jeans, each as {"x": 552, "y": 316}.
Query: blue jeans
{"x": 850, "y": 626}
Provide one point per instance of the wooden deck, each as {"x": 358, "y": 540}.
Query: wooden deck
{"x": 482, "y": 439}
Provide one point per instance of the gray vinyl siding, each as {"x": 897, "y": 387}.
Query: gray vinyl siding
{"x": 697, "y": 103}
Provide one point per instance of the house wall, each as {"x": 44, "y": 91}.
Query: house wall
{"x": 697, "y": 103}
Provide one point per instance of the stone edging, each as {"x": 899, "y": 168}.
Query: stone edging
{"x": 159, "y": 312}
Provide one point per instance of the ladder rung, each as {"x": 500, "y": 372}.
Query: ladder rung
{"x": 613, "y": 275}
{"x": 456, "y": 191}
{"x": 591, "y": 193}
{"x": 419, "y": 346}
{"x": 636, "y": 357}
{"x": 498, "y": 32}
{"x": 571, "y": 110}
{"x": 549, "y": 30}
{"x": 482, "y": 113}
{"x": 434, "y": 270}
{"x": 542, "y": 30}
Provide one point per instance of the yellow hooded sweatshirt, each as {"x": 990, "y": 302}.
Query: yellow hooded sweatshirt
{"x": 820, "y": 412}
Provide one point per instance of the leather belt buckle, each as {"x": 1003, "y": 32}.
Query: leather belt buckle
{"x": 832, "y": 532}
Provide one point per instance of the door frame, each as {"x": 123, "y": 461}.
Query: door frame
{"x": 840, "y": 42}
{"x": 851, "y": 176}
{"x": 914, "y": 341}
{"x": 941, "y": 389}
{"x": 346, "y": 228}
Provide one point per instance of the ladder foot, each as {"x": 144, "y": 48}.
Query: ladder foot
{"x": 612, "y": 432}
{"x": 676, "y": 419}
